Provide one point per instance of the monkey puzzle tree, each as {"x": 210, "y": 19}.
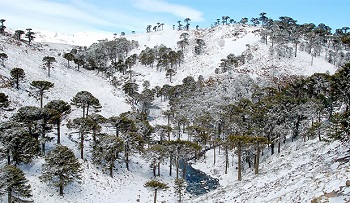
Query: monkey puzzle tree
{"x": 106, "y": 152}
{"x": 156, "y": 185}
{"x": 15, "y": 184}
{"x": 69, "y": 57}
{"x": 48, "y": 60}
{"x": 3, "y": 57}
{"x": 2, "y": 26}
{"x": 18, "y": 34}
{"x": 61, "y": 167}
{"x": 17, "y": 74}
{"x": 84, "y": 127}
{"x": 85, "y": 100}
{"x": 29, "y": 35}
{"x": 61, "y": 108}
{"x": 41, "y": 87}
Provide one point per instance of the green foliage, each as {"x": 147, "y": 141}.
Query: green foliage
{"x": 61, "y": 168}
{"x": 3, "y": 57}
{"x": 180, "y": 186}
{"x": 107, "y": 150}
{"x": 15, "y": 184}
{"x": 85, "y": 100}
{"x": 17, "y": 74}
{"x": 41, "y": 87}
{"x": 4, "y": 101}
{"x": 17, "y": 143}
{"x": 156, "y": 184}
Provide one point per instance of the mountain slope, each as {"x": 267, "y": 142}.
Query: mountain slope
{"x": 277, "y": 172}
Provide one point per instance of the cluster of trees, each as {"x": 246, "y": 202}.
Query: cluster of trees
{"x": 18, "y": 33}
{"x": 264, "y": 115}
{"x": 155, "y": 28}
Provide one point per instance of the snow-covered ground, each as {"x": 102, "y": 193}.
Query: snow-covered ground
{"x": 302, "y": 171}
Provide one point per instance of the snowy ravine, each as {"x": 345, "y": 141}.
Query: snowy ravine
{"x": 301, "y": 172}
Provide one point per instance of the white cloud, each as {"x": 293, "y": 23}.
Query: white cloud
{"x": 79, "y": 15}
{"x": 165, "y": 7}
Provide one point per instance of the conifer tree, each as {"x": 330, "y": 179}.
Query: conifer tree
{"x": 17, "y": 143}
{"x": 180, "y": 186}
{"x": 48, "y": 60}
{"x": 61, "y": 167}
{"x": 14, "y": 183}
{"x": 41, "y": 87}
{"x": 85, "y": 100}
{"x": 106, "y": 152}
{"x": 84, "y": 127}
{"x": 3, "y": 57}
{"x": 17, "y": 74}
{"x": 4, "y": 101}
{"x": 156, "y": 185}
{"x": 61, "y": 109}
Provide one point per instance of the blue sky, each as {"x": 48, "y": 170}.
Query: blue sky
{"x": 115, "y": 16}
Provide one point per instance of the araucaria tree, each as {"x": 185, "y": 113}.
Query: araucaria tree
{"x": 29, "y": 35}
{"x": 60, "y": 108}
{"x": 106, "y": 152}
{"x": 14, "y": 183}
{"x": 17, "y": 74}
{"x": 69, "y": 57}
{"x": 85, "y": 100}
{"x": 61, "y": 167}
{"x": 84, "y": 127}
{"x": 48, "y": 60}
{"x": 41, "y": 87}
{"x": 3, "y": 57}
{"x": 156, "y": 185}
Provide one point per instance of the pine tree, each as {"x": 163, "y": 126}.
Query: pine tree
{"x": 61, "y": 167}
{"x": 15, "y": 184}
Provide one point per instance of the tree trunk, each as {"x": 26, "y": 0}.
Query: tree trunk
{"x": 17, "y": 81}
{"x": 127, "y": 156}
{"x": 170, "y": 165}
{"x": 158, "y": 168}
{"x": 177, "y": 167}
{"x": 111, "y": 169}
{"x": 8, "y": 157}
{"x": 226, "y": 159}
{"x": 83, "y": 111}
{"x": 59, "y": 131}
{"x": 239, "y": 153}
{"x": 155, "y": 196}
{"x": 154, "y": 168}
{"x": 184, "y": 170}
{"x": 257, "y": 158}
{"x": 9, "y": 195}
{"x": 41, "y": 99}
{"x": 61, "y": 190}
{"x": 81, "y": 145}
{"x": 214, "y": 154}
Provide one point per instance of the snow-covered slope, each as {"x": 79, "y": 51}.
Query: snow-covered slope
{"x": 308, "y": 171}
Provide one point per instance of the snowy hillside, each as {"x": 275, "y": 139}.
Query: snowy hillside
{"x": 301, "y": 172}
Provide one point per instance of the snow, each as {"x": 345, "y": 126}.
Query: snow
{"x": 302, "y": 171}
